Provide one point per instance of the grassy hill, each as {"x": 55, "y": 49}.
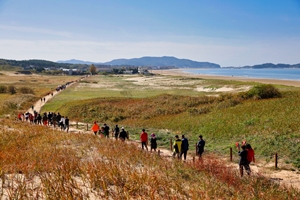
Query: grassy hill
{"x": 269, "y": 125}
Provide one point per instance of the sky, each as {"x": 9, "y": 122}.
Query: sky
{"x": 228, "y": 33}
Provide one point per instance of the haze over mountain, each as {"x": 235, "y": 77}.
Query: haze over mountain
{"x": 152, "y": 61}
{"x": 74, "y": 61}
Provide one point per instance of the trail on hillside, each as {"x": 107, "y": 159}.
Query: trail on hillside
{"x": 281, "y": 176}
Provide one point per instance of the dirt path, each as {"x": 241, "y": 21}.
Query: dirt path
{"x": 281, "y": 176}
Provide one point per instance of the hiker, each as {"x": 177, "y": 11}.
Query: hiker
{"x": 49, "y": 118}
{"x": 95, "y": 128}
{"x": 20, "y": 116}
{"x": 67, "y": 124}
{"x": 54, "y": 119}
{"x": 62, "y": 123}
{"x": 200, "y": 146}
{"x": 117, "y": 131}
{"x": 58, "y": 117}
{"x": 243, "y": 163}
{"x": 123, "y": 134}
{"x": 31, "y": 118}
{"x": 45, "y": 119}
{"x": 153, "y": 143}
{"x": 250, "y": 155}
{"x": 177, "y": 147}
{"x": 35, "y": 117}
{"x": 144, "y": 139}
{"x": 39, "y": 119}
{"x": 26, "y": 116}
{"x": 184, "y": 147}
{"x": 106, "y": 131}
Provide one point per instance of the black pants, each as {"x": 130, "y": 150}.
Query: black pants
{"x": 144, "y": 144}
{"x": 184, "y": 152}
{"x": 247, "y": 169}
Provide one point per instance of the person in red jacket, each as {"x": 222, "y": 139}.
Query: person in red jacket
{"x": 95, "y": 128}
{"x": 144, "y": 139}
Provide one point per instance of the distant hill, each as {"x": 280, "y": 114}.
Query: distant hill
{"x": 74, "y": 61}
{"x": 271, "y": 65}
{"x": 165, "y": 61}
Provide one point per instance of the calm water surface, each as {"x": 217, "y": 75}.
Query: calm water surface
{"x": 283, "y": 73}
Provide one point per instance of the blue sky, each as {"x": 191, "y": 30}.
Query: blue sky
{"x": 226, "y": 32}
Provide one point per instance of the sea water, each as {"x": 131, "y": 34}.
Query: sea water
{"x": 269, "y": 73}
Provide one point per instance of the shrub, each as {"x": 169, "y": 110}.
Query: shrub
{"x": 263, "y": 91}
{"x": 3, "y": 89}
{"x": 26, "y": 90}
{"x": 9, "y": 106}
{"x": 199, "y": 111}
{"x": 12, "y": 89}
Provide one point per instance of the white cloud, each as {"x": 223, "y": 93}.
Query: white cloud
{"x": 32, "y": 30}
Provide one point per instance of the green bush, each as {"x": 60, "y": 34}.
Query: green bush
{"x": 263, "y": 91}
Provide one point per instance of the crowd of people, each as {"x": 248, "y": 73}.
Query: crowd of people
{"x": 46, "y": 119}
{"x": 180, "y": 146}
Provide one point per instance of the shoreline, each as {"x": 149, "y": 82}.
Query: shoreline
{"x": 178, "y": 72}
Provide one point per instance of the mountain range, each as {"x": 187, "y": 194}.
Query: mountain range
{"x": 165, "y": 61}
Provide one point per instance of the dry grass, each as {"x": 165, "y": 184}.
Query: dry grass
{"x": 30, "y": 88}
{"x": 41, "y": 163}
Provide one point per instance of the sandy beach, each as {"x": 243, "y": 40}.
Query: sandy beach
{"x": 178, "y": 72}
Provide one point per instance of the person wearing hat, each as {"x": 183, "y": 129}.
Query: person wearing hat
{"x": 153, "y": 143}
{"x": 123, "y": 134}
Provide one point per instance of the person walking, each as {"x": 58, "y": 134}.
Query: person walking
{"x": 67, "y": 124}
{"x": 144, "y": 139}
{"x": 184, "y": 147}
{"x": 39, "y": 119}
{"x": 45, "y": 118}
{"x": 243, "y": 162}
{"x": 117, "y": 131}
{"x": 177, "y": 147}
{"x": 20, "y": 116}
{"x": 153, "y": 142}
{"x": 54, "y": 120}
{"x": 200, "y": 146}
{"x": 106, "y": 131}
{"x": 95, "y": 128}
{"x": 58, "y": 117}
{"x": 123, "y": 134}
{"x": 62, "y": 123}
